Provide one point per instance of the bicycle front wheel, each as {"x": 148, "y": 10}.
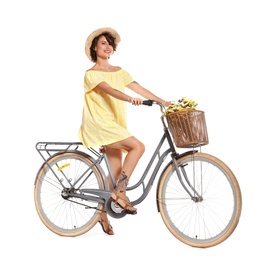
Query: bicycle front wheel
{"x": 70, "y": 216}
{"x": 210, "y": 215}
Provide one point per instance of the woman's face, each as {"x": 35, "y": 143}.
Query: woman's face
{"x": 103, "y": 49}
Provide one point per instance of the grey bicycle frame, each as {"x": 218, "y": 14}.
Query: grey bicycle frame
{"x": 96, "y": 162}
{"x": 104, "y": 195}
{"x": 148, "y": 186}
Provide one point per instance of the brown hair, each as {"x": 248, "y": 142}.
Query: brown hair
{"x": 110, "y": 39}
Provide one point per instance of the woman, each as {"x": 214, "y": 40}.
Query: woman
{"x": 104, "y": 122}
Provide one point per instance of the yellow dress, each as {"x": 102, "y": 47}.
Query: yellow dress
{"x": 103, "y": 116}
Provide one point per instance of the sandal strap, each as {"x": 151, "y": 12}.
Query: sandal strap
{"x": 127, "y": 203}
{"x": 107, "y": 228}
{"x": 122, "y": 182}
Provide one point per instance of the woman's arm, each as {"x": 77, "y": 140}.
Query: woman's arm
{"x": 105, "y": 87}
{"x": 137, "y": 88}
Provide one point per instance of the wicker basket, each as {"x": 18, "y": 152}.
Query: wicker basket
{"x": 188, "y": 128}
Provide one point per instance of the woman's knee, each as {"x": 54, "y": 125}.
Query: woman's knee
{"x": 140, "y": 148}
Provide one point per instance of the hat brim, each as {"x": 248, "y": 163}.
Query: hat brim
{"x": 97, "y": 33}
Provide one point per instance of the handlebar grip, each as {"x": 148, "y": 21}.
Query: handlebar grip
{"x": 147, "y": 102}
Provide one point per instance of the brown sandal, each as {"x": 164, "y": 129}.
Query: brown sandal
{"x": 124, "y": 204}
{"x": 106, "y": 226}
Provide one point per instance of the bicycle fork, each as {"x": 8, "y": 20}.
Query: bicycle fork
{"x": 189, "y": 188}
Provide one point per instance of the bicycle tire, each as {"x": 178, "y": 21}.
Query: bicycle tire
{"x": 209, "y": 222}
{"x": 72, "y": 217}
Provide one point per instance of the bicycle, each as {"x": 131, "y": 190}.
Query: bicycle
{"x": 198, "y": 196}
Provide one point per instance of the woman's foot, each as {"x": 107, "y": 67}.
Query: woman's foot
{"x": 120, "y": 199}
{"x": 105, "y": 224}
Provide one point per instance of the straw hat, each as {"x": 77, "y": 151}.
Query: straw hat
{"x": 97, "y": 33}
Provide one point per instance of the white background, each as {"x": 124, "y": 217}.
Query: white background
{"x": 209, "y": 51}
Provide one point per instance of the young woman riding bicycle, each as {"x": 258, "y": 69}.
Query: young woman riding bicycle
{"x": 104, "y": 116}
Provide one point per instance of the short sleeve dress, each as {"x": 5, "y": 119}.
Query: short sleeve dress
{"x": 103, "y": 116}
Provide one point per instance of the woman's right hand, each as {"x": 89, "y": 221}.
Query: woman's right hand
{"x": 136, "y": 101}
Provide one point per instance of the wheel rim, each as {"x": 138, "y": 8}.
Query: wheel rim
{"x": 204, "y": 223}
{"x": 62, "y": 215}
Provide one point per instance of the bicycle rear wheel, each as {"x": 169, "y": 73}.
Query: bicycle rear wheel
{"x": 67, "y": 216}
{"x": 212, "y": 219}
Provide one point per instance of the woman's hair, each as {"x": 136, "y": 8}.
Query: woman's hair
{"x": 110, "y": 39}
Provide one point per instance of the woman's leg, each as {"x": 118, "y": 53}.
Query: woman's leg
{"x": 135, "y": 150}
{"x": 115, "y": 161}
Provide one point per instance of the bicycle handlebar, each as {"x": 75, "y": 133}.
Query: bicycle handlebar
{"x": 150, "y": 102}
{"x": 147, "y": 102}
